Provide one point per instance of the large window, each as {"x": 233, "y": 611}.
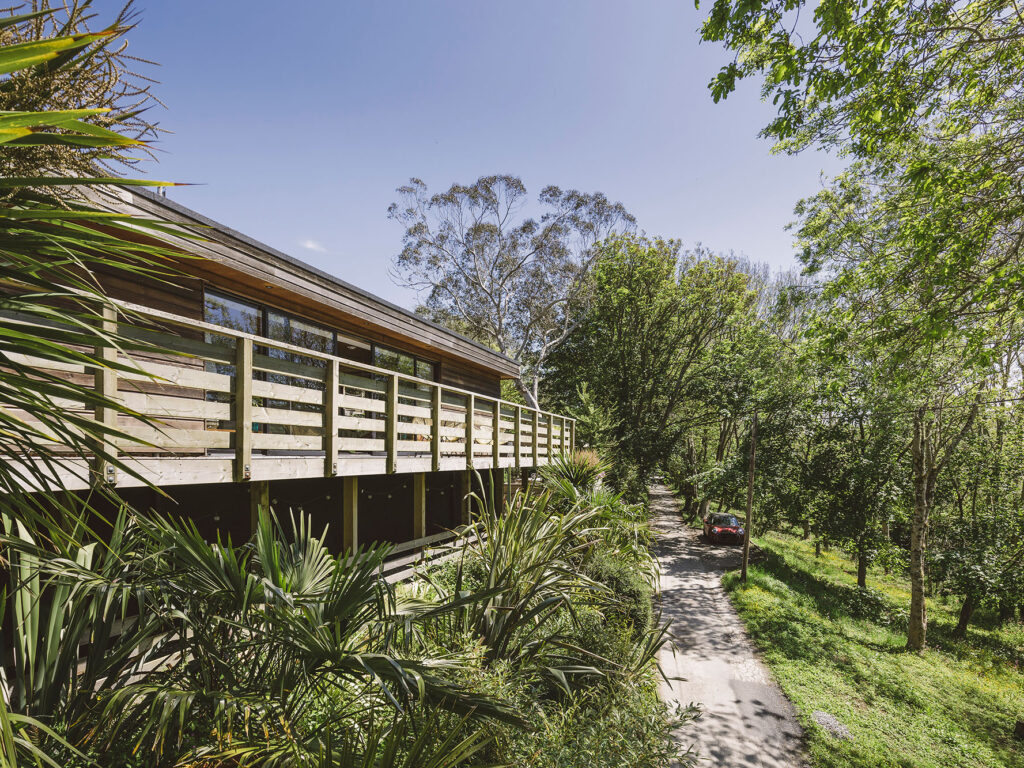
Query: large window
{"x": 233, "y": 313}
{"x": 403, "y": 362}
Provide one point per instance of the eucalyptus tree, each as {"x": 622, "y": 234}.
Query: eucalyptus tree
{"x": 512, "y": 281}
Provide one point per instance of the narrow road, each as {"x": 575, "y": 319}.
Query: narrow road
{"x": 747, "y": 722}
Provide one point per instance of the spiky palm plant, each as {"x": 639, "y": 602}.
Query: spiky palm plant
{"x": 52, "y": 242}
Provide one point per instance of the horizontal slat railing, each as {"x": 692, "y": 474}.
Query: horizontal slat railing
{"x": 213, "y": 392}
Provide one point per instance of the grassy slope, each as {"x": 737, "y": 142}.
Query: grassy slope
{"x": 835, "y": 650}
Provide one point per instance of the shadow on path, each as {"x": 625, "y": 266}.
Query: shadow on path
{"x": 746, "y": 722}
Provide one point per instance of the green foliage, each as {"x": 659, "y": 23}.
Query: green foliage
{"x": 644, "y": 346}
{"x": 595, "y": 425}
{"x": 630, "y": 727}
{"x": 53, "y": 242}
{"x": 630, "y": 591}
{"x": 839, "y": 649}
{"x": 581, "y": 469}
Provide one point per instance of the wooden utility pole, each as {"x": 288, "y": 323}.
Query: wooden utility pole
{"x": 750, "y": 500}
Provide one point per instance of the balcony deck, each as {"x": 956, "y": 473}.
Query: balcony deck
{"x": 217, "y": 405}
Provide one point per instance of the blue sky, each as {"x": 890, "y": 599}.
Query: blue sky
{"x": 297, "y": 121}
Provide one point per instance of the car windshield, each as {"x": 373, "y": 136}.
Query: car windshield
{"x": 729, "y": 521}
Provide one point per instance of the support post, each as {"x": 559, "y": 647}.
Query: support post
{"x": 435, "y": 429}
{"x": 550, "y": 436}
{"x": 496, "y": 435}
{"x": 517, "y": 435}
{"x": 391, "y": 425}
{"x": 535, "y": 436}
{"x": 105, "y": 384}
{"x": 350, "y": 513}
{"x": 331, "y": 416}
{"x": 259, "y": 499}
{"x": 465, "y": 488}
{"x": 470, "y": 411}
{"x": 243, "y": 409}
{"x": 572, "y": 435}
{"x": 419, "y": 505}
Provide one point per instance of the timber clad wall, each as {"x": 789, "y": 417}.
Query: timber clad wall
{"x": 460, "y": 375}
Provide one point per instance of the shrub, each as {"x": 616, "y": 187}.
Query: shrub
{"x": 625, "y": 725}
{"x": 607, "y": 638}
{"x": 630, "y": 598}
{"x": 582, "y": 469}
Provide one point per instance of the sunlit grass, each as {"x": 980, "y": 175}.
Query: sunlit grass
{"x": 838, "y": 650}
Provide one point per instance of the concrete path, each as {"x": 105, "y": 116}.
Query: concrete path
{"x": 746, "y": 721}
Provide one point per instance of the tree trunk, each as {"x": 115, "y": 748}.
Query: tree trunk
{"x": 966, "y": 611}
{"x": 888, "y": 537}
{"x": 750, "y": 501}
{"x": 917, "y": 626}
{"x": 817, "y": 547}
{"x": 862, "y": 569}
{"x": 807, "y": 529}
{"x": 705, "y": 505}
{"x": 530, "y": 395}
{"x": 1005, "y": 611}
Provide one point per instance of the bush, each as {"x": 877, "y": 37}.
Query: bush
{"x": 625, "y": 726}
{"x": 627, "y": 480}
{"x": 582, "y": 469}
{"x": 630, "y": 593}
{"x": 608, "y": 638}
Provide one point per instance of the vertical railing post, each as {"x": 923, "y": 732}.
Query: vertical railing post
{"x": 517, "y": 434}
{"x": 331, "y": 440}
{"x": 550, "y": 436}
{"x": 496, "y": 435}
{"x": 391, "y": 425}
{"x": 105, "y": 384}
{"x": 470, "y": 410}
{"x": 535, "y": 435}
{"x": 243, "y": 409}
{"x": 572, "y": 435}
{"x": 435, "y": 429}
{"x": 561, "y": 435}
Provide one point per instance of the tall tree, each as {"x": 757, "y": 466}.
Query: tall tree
{"x": 645, "y": 344}
{"x": 514, "y": 282}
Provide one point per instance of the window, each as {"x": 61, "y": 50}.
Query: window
{"x": 233, "y": 313}
{"x": 259, "y": 320}
{"x": 238, "y": 316}
{"x": 292, "y": 330}
{"x": 426, "y": 370}
{"x": 354, "y": 349}
{"x": 403, "y": 362}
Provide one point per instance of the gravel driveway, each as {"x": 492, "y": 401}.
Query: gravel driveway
{"x": 747, "y": 721}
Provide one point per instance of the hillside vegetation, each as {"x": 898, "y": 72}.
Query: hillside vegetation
{"x": 841, "y": 650}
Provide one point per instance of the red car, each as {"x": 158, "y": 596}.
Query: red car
{"x": 720, "y": 528}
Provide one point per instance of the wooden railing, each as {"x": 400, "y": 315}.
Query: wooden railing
{"x": 226, "y": 405}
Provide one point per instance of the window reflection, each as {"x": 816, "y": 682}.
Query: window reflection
{"x": 286, "y": 367}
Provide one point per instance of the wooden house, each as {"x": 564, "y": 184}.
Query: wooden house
{"x": 277, "y": 384}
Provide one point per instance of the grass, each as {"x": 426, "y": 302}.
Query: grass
{"x": 840, "y": 650}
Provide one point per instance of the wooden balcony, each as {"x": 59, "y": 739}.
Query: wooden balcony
{"x": 226, "y": 406}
